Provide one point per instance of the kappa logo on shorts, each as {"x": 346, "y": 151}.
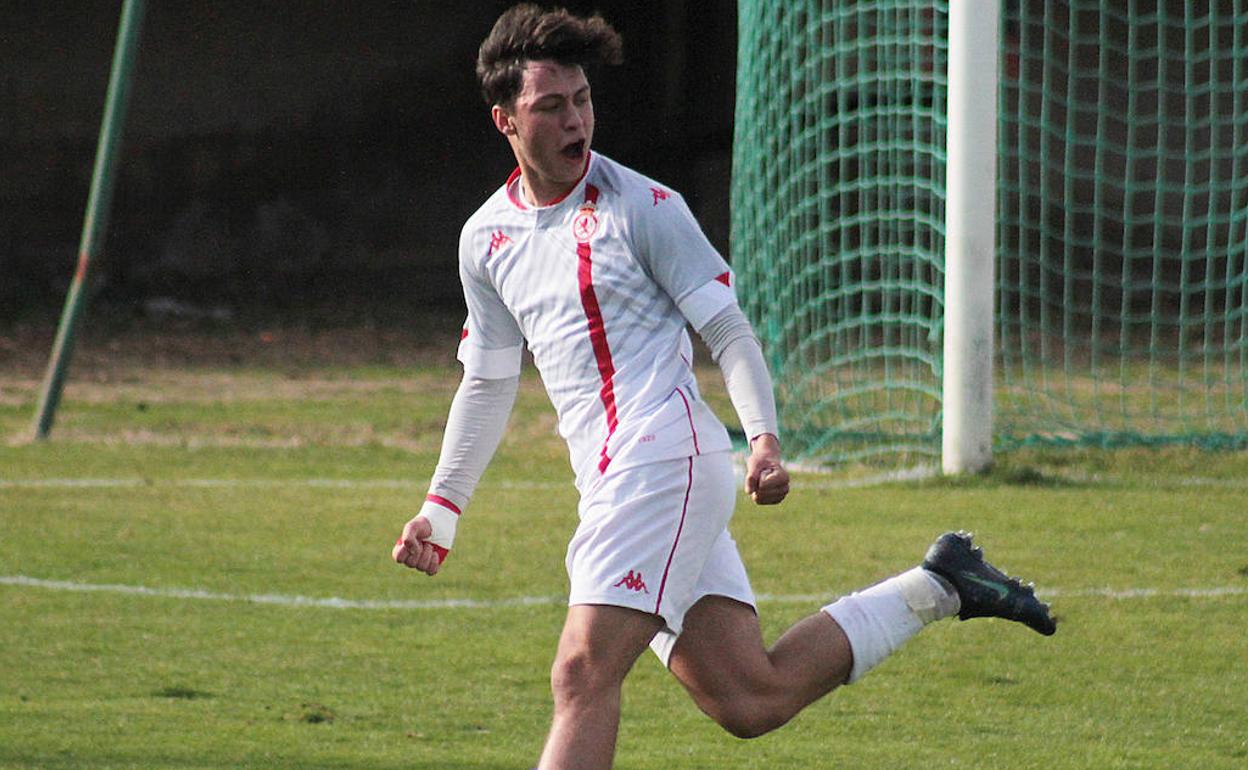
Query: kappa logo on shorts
{"x": 633, "y": 582}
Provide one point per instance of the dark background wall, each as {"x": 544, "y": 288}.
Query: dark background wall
{"x": 286, "y": 156}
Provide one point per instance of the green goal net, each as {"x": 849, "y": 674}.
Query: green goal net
{"x": 1122, "y": 221}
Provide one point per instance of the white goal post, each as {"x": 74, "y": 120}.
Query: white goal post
{"x": 970, "y": 228}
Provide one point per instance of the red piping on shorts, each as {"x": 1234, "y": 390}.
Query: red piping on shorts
{"x": 680, "y": 528}
{"x": 689, "y": 414}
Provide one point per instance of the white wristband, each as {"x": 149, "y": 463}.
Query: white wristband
{"x": 443, "y": 516}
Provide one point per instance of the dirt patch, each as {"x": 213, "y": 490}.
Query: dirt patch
{"x": 150, "y": 386}
{"x": 111, "y": 353}
{"x": 362, "y": 437}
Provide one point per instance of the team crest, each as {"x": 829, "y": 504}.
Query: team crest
{"x": 586, "y": 223}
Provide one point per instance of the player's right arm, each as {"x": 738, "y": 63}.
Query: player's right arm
{"x": 490, "y": 352}
{"x": 474, "y": 427}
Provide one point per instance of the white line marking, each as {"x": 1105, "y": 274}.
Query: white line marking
{"x": 530, "y": 601}
{"x": 135, "y": 483}
{"x": 332, "y": 602}
{"x": 1149, "y": 593}
{"x": 815, "y": 483}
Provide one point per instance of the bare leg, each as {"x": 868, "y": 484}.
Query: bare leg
{"x": 597, "y": 649}
{"x": 749, "y": 690}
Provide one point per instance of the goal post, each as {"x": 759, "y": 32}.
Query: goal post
{"x": 918, "y": 306}
{"x": 95, "y": 221}
{"x": 970, "y": 230}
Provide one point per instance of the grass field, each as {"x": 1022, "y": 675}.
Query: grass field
{"x": 194, "y": 573}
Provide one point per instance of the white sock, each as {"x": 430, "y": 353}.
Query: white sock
{"x": 879, "y": 619}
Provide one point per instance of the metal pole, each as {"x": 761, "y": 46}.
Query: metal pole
{"x": 970, "y": 236}
{"x": 95, "y": 222}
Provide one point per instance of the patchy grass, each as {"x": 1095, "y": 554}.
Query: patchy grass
{"x": 201, "y": 518}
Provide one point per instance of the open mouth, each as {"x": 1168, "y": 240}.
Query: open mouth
{"x": 575, "y": 150}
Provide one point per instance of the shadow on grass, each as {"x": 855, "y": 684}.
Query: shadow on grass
{"x": 103, "y": 759}
{"x": 1008, "y": 475}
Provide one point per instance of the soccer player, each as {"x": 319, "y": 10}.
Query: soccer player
{"x": 601, "y": 270}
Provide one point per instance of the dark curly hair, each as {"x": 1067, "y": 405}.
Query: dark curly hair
{"x": 526, "y": 32}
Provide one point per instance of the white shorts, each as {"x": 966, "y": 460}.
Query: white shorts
{"x": 655, "y": 538}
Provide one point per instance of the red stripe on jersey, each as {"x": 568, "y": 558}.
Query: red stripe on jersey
{"x": 692, "y": 429}
{"x": 679, "y": 528}
{"x": 597, "y": 332}
{"x": 442, "y": 501}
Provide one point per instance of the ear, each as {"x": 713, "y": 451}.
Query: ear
{"x": 503, "y": 121}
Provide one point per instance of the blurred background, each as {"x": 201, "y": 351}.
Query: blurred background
{"x": 309, "y": 161}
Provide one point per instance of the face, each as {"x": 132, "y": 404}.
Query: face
{"x": 550, "y": 126}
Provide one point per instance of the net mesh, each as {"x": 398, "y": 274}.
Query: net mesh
{"x": 838, "y": 212}
{"x": 1122, "y": 221}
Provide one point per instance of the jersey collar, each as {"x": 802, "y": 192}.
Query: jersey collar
{"x": 513, "y": 187}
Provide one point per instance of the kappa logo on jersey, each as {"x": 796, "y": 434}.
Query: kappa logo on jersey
{"x": 660, "y": 194}
{"x": 633, "y": 582}
{"x": 498, "y": 240}
{"x": 586, "y": 222}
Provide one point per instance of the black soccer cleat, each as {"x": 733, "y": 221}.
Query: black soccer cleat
{"x": 985, "y": 591}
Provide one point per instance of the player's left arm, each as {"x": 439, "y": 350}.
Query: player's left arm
{"x": 730, "y": 338}
{"x": 679, "y": 257}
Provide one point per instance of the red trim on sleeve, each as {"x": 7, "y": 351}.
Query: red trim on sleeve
{"x": 439, "y": 551}
{"x": 725, "y": 279}
{"x": 442, "y": 501}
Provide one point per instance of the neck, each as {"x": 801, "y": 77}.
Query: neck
{"x": 537, "y": 193}
{"x": 538, "y": 196}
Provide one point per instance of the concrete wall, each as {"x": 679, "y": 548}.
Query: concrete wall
{"x": 289, "y": 153}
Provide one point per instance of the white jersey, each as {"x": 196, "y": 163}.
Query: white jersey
{"x": 601, "y": 285}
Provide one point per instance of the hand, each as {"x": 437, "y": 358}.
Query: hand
{"x": 766, "y": 480}
{"x": 413, "y": 550}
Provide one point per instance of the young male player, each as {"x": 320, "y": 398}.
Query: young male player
{"x": 600, "y": 270}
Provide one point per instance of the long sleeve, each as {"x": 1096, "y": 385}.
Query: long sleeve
{"x": 474, "y": 427}
{"x": 734, "y": 347}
